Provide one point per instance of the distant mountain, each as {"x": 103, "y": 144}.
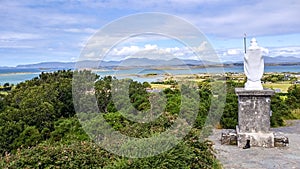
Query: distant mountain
{"x": 6, "y": 67}
{"x": 131, "y": 62}
{"x": 70, "y": 65}
{"x": 136, "y": 62}
{"x": 281, "y": 59}
{"x": 49, "y": 65}
{"x": 145, "y": 62}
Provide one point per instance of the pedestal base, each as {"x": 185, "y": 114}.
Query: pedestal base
{"x": 254, "y": 110}
{"x": 256, "y": 139}
{"x": 249, "y": 85}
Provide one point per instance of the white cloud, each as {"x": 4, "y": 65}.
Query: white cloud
{"x": 83, "y": 30}
{"x": 175, "y": 49}
{"x": 150, "y": 47}
{"x": 153, "y": 51}
{"x": 285, "y": 51}
{"x": 48, "y": 24}
{"x": 257, "y": 18}
{"x": 126, "y": 50}
{"x": 18, "y": 36}
{"x": 230, "y": 18}
{"x": 90, "y": 55}
{"x": 203, "y": 46}
{"x": 15, "y": 47}
{"x": 234, "y": 52}
{"x": 15, "y": 40}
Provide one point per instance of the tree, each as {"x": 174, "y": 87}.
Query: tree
{"x": 293, "y": 98}
{"x": 6, "y": 85}
{"x": 103, "y": 93}
{"x": 32, "y": 107}
{"x": 146, "y": 85}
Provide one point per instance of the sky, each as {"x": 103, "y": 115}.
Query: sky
{"x": 33, "y": 31}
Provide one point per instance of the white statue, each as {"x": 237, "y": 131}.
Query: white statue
{"x": 254, "y": 66}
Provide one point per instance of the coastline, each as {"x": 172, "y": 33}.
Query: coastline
{"x": 19, "y": 73}
{"x": 149, "y": 74}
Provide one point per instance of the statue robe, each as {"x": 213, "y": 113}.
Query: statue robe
{"x": 254, "y": 68}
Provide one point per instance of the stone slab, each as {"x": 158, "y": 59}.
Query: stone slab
{"x": 244, "y": 92}
{"x": 280, "y": 140}
{"x": 229, "y": 137}
{"x": 256, "y": 139}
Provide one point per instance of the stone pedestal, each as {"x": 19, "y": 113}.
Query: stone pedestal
{"x": 254, "y": 117}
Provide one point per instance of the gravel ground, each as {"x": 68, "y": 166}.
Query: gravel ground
{"x": 233, "y": 157}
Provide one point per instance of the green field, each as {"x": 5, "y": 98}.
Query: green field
{"x": 282, "y": 86}
{"x": 160, "y": 86}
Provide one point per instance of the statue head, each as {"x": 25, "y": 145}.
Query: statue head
{"x": 253, "y": 44}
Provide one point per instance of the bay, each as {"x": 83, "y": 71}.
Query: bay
{"x": 17, "y": 75}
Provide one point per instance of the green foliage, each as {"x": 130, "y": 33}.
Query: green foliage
{"x": 229, "y": 119}
{"x": 190, "y": 153}
{"x": 116, "y": 120}
{"x": 138, "y": 96}
{"x": 293, "y": 98}
{"x": 173, "y": 100}
{"x": 1, "y": 104}
{"x": 204, "y": 105}
{"x": 9, "y": 133}
{"x": 39, "y": 128}
{"x": 184, "y": 155}
{"x": 167, "y": 82}
{"x": 30, "y": 136}
{"x": 75, "y": 155}
{"x": 32, "y": 107}
{"x": 280, "y": 111}
{"x": 6, "y": 85}
{"x": 146, "y": 85}
{"x": 273, "y": 78}
{"x": 130, "y": 128}
{"x": 103, "y": 94}
{"x": 67, "y": 130}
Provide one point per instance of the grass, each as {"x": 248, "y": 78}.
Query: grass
{"x": 296, "y": 113}
{"x": 160, "y": 86}
{"x": 282, "y": 86}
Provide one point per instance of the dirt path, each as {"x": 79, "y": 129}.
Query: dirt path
{"x": 233, "y": 157}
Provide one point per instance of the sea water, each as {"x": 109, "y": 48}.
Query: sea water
{"x": 17, "y": 75}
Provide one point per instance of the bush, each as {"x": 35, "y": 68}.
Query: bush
{"x": 280, "y": 111}
{"x": 190, "y": 153}
{"x": 75, "y": 155}
{"x": 229, "y": 119}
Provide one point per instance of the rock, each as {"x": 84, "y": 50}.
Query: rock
{"x": 229, "y": 137}
{"x": 280, "y": 140}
